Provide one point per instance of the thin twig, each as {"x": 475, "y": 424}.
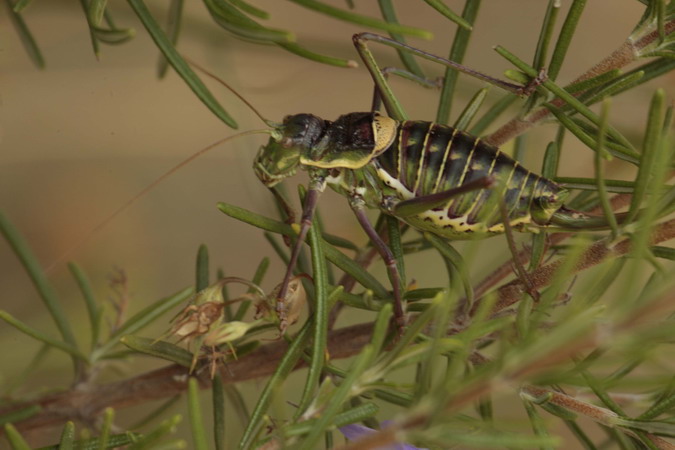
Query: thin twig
{"x": 510, "y": 293}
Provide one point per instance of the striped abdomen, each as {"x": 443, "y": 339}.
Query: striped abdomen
{"x": 426, "y": 158}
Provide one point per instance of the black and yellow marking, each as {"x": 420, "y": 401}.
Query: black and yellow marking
{"x": 428, "y": 158}
{"x": 383, "y": 161}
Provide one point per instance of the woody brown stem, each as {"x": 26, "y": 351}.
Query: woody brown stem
{"x": 83, "y": 403}
{"x": 598, "y": 252}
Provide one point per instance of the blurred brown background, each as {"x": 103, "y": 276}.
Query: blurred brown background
{"x": 83, "y": 136}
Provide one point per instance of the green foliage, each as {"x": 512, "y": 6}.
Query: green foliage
{"x": 593, "y": 359}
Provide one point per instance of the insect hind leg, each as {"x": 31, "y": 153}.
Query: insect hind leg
{"x": 392, "y": 105}
{"x": 435, "y": 83}
{"x": 423, "y": 203}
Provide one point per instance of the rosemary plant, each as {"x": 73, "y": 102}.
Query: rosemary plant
{"x": 546, "y": 340}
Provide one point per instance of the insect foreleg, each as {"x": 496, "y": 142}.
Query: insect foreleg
{"x": 357, "y": 204}
{"x": 316, "y": 186}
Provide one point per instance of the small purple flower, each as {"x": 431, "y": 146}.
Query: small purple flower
{"x": 355, "y": 432}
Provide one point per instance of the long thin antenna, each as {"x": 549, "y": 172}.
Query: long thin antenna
{"x": 84, "y": 238}
{"x": 231, "y": 89}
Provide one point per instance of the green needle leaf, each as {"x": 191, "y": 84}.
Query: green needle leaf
{"x": 196, "y": 419}
{"x": 160, "y": 349}
{"x": 19, "y": 415}
{"x": 319, "y": 317}
{"x": 144, "y": 318}
{"x": 600, "y": 157}
{"x": 15, "y": 439}
{"x": 258, "y": 276}
{"x": 470, "y": 110}
{"x": 27, "y": 39}
{"x": 232, "y": 20}
{"x": 94, "y": 310}
{"x": 202, "y": 269}
{"x": 173, "y": 28}
{"x": 358, "y": 19}
{"x": 335, "y": 256}
{"x": 589, "y": 184}
{"x": 323, "y": 59}
{"x": 166, "y": 427}
{"x": 354, "y": 415}
{"x": 113, "y": 36}
{"x": 455, "y": 258}
{"x": 250, "y": 9}
{"x": 67, "y": 436}
{"x": 21, "y": 5}
{"x": 339, "y": 397}
{"x": 39, "y": 279}
{"x": 178, "y": 63}
{"x": 442, "y": 8}
{"x": 649, "y": 149}
{"x": 218, "y": 394}
{"x": 104, "y": 438}
{"x": 96, "y": 10}
{"x": 284, "y": 368}
{"x": 460, "y": 43}
{"x": 389, "y": 14}
{"x": 626, "y": 153}
{"x": 40, "y": 336}
{"x": 565, "y": 37}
